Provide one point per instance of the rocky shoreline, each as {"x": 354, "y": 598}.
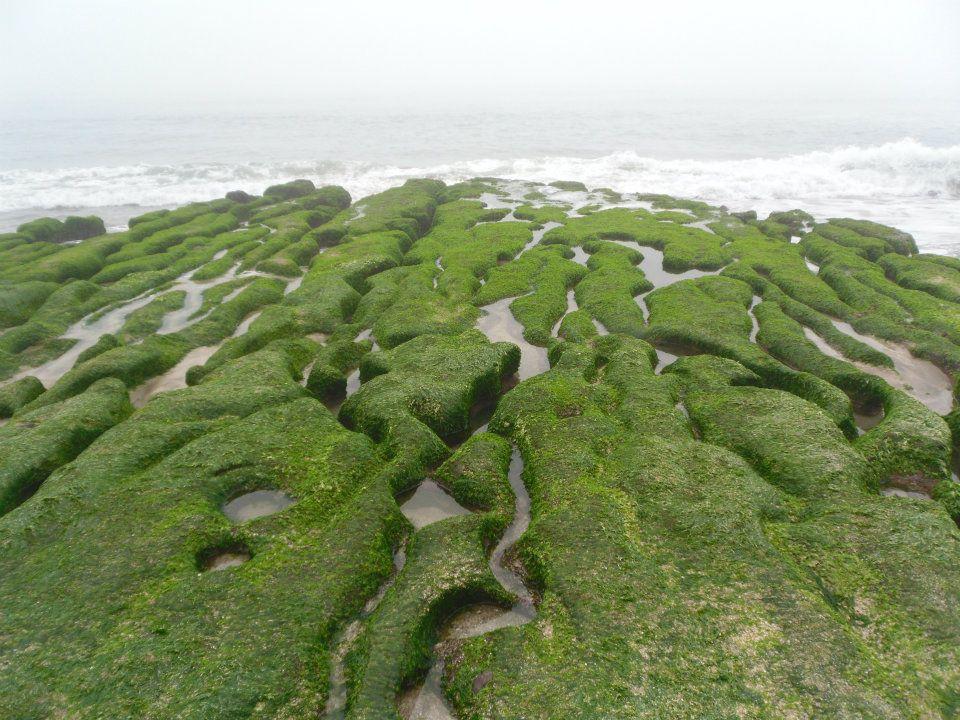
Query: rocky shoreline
{"x": 494, "y": 449}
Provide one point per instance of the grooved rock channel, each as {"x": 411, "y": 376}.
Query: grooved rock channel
{"x": 487, "y": 450}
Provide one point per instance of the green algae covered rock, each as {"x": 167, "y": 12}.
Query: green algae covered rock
{"x": 18, "y": 393}
{"x": 289, "y": 190}
{"x": 33, "y": 444}
{"x": 81, "y": 228}
{"x": 569, "y": 185}
{"x": 42, "y": 230}
{"x": 728, "y": 494}
{"x": 71, "y": 229}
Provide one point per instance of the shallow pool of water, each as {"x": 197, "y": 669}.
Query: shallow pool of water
{"x": 580, "y": 256}
{"x": 426, "y": 701}
{"x": 898, "y": 492}
{"x": 174, "y": 379}
{"x": 652, "y": 266}
{"x": 919, "y": 378}
{"x": 430, "y": 503}
{"x": 177, "y": 320}
{"x": 499, "y": 325}
{"x": 353, "y": 382}
{"x": 669, "y": 353}
{"x": 506, "y": 576}
{"x": 755, "y": 326}
{"x": 867, "y": 418}
{"x": 256, "y": 504}
{"x": 537, "y": 235}
{"x": 224, "y": 560}
{"x": 245, "y": 324}
{"x": 571, "y": 307}
{"x": 86, "y": 334}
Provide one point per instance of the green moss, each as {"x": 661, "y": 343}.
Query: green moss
{"x": 472, "y": 188}
{"x": 540, "y": 278}
{"x": 408, "y": 209}
{"x": 18, "y": 393}
{"x": 105, "y": 342}
{"x": 683, "y": 248}
{"x": 608, "y": 290}
{"x": 897, "y": 240}
{"x": 148, "y": 217}
{"x": 288, "y": 190}
{"x": 326, "y": 380}
{"x": 708, "y": 372}
{"x": 131, "y": 364}
{"x": 215, "y": 294}
{"x": 796, "y": 220}
{"x": 476, "y": 475}
{"x": 948, "y": 493}
{"x": 36, "y": 443}
{"x": 19, "y": 301}
{"x": 42, "y": 230}
{"x": 224, "y": 318}
{"x": 81, "y": 228}
{"x": 674, "y": 216}
{"x": 709, "y": 315}
{"x": 712, "y": 538}
{"x": 569, "y": 185}
{"x": 445, "y": 570}
{"x": 666, "y": 202}
{"x": 577, "y": 326}
{"x": 88, "y": 258}
{"x": 828, "y": 462}
{"x": 805, "y": 315}
{"x": 423, "y": 390}
{"x": 919, "y": 274}
{"x": 541, "y": 215}
{"x": 316, "y": 561}
{"x": 868, "y": 247}
{"x": 416, "y": 309}
{"x": 654, "y": 559}
{"x": 59, "y": 310}
{"x": 928, "y": 325}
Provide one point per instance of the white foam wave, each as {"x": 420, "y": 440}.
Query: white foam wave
{"x": 894, "y": 180}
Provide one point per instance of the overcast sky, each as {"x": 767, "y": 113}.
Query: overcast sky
{"x": 66, "y": 56}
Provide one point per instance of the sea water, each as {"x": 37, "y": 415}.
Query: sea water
{"x": 893, "y": 164}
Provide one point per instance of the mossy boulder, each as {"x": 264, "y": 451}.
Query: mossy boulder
{"x": 289, "y": 190}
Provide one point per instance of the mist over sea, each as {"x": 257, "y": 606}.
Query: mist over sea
{"x": 896, "y": 165}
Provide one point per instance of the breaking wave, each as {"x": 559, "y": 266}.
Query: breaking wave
{"x": 900, "y": 169}
{"x": 894, "y": 178}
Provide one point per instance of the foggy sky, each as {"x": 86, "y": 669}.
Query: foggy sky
{"x": 62, "y": 57}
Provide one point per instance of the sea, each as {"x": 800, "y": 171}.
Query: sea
{"x": 895, "y": 163}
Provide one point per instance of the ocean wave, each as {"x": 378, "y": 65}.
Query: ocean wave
{"x": 895, "y": 170}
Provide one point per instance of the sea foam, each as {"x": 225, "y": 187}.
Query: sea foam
{"x": 905, "y": 183}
